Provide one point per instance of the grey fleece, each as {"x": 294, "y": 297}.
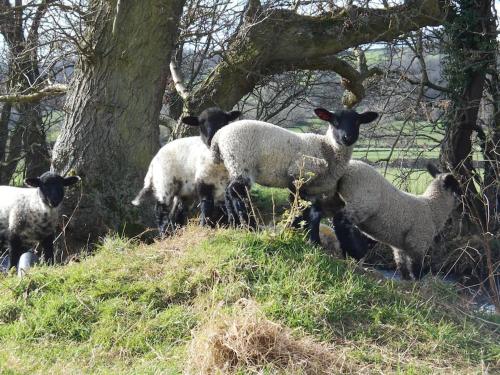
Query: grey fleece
{"x": 406, "y": 222}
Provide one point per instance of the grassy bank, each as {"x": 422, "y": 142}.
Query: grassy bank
{"x": 134, "y": 308}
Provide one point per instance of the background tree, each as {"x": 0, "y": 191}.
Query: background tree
{"x": 111, "y": 130}
{"x": 37, "y": 49}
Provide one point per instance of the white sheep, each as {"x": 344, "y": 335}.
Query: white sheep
{"x": 30, "y": 215}
{"x": 255, "y": 151}
{"x": 182, "y": 172}
{"x": 406, "y": 222}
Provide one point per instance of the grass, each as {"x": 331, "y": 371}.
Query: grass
{"x": 133, "y": 308}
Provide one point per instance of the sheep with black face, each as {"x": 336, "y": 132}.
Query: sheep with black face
{"x": 29, "y": 215}
{"x": 182, "y": 172}
{"x": 256, "y": 151}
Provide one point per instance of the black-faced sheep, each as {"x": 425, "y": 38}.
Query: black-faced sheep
{"x": 406, "y": 222}
{"x": 30, "y": 215}
{"x": 182, "y": 172}
{"x": 255, "y": 151}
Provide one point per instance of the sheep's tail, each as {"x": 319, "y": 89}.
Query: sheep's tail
{"x": 146, "y": 190}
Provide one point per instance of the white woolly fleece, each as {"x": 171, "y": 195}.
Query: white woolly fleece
{"x": 22, "y": 212}
{"x": 273, "y": 156}
{"x": 178, "y": 166}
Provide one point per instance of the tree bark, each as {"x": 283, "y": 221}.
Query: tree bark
{"x": 111, "y": 130}
{"x": 469, "y": 58}
{"x": 491, "y": 147}
{"x": 22, "y": 75}
{"x": 275, "y": 41}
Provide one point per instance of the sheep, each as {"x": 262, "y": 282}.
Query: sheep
{"x": 30, "y": 215}
{"x": 255, "y": 151}
{"x": 182, "y": 172}
{"x": 406, "y": 222}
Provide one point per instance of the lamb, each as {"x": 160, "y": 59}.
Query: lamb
{"x": 29, "y": 215}
{"x": 256, "y": 151}
{"x": 182, "y": 172}
{"x": 406, "y": 222}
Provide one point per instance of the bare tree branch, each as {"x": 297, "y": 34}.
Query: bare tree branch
{"x": 49, "y": 91}
{"x": 299, "y": 40}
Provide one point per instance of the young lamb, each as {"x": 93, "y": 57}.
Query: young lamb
{"x": 255, "y": 151}
{"x": 182, "y": 172}
{"x": 406, "y": 222}
{"x": 30, "y": 215}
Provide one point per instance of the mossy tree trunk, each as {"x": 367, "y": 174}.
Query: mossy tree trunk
{"x": 111, "y": 129}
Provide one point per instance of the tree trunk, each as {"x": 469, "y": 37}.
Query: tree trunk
{"x": 491, "y": 151}
{"x": 469, "y": 57}
{"x": 111, "y": 131}
{"x": 28, "y": 139}
{"x": 37, "y": 158}
{"x": 4, "y": 135}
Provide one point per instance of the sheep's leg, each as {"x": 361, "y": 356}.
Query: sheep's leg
{"x": 206, "y": 197}
{"x": 178, "y": 216}
{"x": 237, "y": 194}
{"x": 352, "y": 241}
{"x": 162, "y": 217}
{"x": 231, "y": 213}
{"x": 315, "y": 214}
{"x": 15, "y": 250}
{"x": 415, "y": 258}
{"x": 418, "y": 267}
{"x": 403, "y": 263}
{"x": 48, "y": 248}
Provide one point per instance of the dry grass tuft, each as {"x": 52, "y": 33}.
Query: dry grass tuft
{"x": 246, "y": 340}
{"x": 184, "y": 238}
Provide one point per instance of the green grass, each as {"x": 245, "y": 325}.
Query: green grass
{"x": 132, "y": 308}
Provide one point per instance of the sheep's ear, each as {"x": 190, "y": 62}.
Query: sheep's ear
{"x": 367, "y": 117}
{"x": 324, "y": 114}
{"x": 433, "y": 170}
{"x": 33, "y": 181}
{"x": 191, "y": 120}
{"x": 68, "y": 181}
{"x": 233, "y": 115}
{"x": 452, "y": 184}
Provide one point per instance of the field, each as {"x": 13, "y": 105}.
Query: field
{"x": 207, "y": 301}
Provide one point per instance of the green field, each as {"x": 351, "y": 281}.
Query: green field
{"x": 207, "y": 298}
{"x": 418, "y": 140}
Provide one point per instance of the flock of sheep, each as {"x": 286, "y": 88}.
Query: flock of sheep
{"x": 217, "y": 169}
